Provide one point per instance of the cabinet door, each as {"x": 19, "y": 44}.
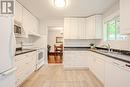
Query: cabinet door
{"x": 75, "y": 59}
{"x": 73, "y": 31}
{"x": 94, "y": 27}
{"x": 81, "y": 28}
{"x": 98, "y": 27}
{"x": 100, "y": 69}
{"x": 26, "y": 22}
{"x": 81, "y": 59}
{"x": 36, "y": 22}
{"x": 68, "y": 59}
{"x": 124, "y": 16}
{"x": 116, "y": 77}
{"x": 18, "y": 12}
{"x": 33, "y": 24}
{"x": 66, "y": 28}
{"x": 90, "y": 26}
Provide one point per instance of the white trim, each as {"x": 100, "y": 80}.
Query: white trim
{"x": 76, "y": 68}
{"x": 112, "y": 16}
{"x": 109, "y": 18}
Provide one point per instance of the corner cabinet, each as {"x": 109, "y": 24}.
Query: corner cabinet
{"x": 124, "y": 16}
{"x": 83, "y": 28}
{"x": 94, "y": 26}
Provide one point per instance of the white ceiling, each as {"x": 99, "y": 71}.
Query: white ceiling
{"x": 44, "y": 10}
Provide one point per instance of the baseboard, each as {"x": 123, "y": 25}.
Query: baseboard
{"x": 76, "y": 68}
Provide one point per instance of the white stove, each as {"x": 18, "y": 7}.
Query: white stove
{"x": 40, "y": 54}
{"x": 40, "y": 58}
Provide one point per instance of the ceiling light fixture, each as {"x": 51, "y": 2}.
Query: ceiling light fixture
{"x": 59, "y": 3}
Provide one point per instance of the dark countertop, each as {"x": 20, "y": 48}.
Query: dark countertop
{"x": 76, "y": 48}
{"x": 114, "y": 55}
{"x": 19, "y": 52}
{"x": 117, "y": 56}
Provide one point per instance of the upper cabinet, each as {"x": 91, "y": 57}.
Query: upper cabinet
{"x": 83, "y": 28}
{"x": 18, "y": 12}
{"x": 34, "y": 24}
{"x": 29, "y": 22}
{"x": 26, "y": 22}
{"x": 70, "y": 28}
{"x": 94, "y": 26}
{"x": 124, "y": 16}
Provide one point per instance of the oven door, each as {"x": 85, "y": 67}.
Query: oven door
{"x": 40, "y": 56}
{"x": 40, "y": 59}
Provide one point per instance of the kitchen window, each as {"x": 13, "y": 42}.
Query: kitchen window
{"x": 112, "y": 30}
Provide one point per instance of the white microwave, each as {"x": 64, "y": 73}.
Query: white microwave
{"x": 18, "y": 31}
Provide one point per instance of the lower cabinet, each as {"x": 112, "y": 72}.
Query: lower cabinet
{"x": 116, "y": 75}
{"x": 111, "y": 72}
{"x": 75, "y": 59}
{"x": 25, "y": 64}
{"x": 97, "y": 66}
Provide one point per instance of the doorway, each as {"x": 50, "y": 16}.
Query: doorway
{"x": 55, "y": 44}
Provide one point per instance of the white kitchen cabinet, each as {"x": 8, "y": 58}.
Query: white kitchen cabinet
{"x": 74, "y": 28}
{"x": 70, "y": 28}
{"x": 97, "y": 65}
{"x": 66, "y": 28}
{"x": 18, "y": 12}
{"x": 26, "y": 64}
{"x": 124, "y": 16}
{"x": 30, "y": 23}
{"x": 111, "y": 72}
{"x": 91, "y": 61}
{"x": 116, "y": 75}
{"x": 75, "y": 59}
{"x": 83, "y": 28}
{"x": 26, "y": 22}
{"x": 100, "y": 69}
{"x": 94, "y": 27}
{"x": 34, "y": 24}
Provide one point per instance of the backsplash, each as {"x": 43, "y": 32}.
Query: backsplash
{"x": 80, "y": 43}
{"x": 20, "y": 41}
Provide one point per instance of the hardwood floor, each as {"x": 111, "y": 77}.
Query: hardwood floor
{"x": 56, "y": 76}
{"x": 54, "y": 60}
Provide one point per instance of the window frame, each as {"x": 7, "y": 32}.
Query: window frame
{"x": 114, "y": 16}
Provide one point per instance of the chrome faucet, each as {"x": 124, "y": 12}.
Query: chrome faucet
{"x": 108, "y": 47}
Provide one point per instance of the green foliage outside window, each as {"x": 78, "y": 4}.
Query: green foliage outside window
{"x": 112, "y": 30}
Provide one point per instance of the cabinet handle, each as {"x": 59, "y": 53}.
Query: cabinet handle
{"x": 116, "y": 63}
{"x": 127, "y": 65}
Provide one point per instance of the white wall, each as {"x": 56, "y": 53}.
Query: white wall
{"x": 120, "y": 44}
{"x": 44, "y": 24}
{"x": 52, "y": 34}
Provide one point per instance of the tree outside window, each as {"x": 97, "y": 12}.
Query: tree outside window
{"x": 112, "y": 29}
